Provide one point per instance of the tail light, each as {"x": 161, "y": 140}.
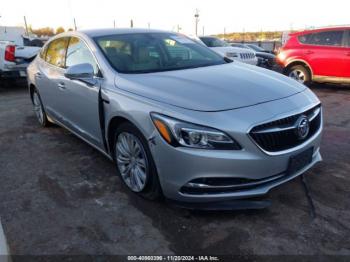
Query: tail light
{"x": 10, "y": 53}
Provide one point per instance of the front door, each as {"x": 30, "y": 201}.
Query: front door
{"x": 81, "y": 101}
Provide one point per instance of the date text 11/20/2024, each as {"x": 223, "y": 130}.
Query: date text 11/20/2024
{"x": 173, "y": 258}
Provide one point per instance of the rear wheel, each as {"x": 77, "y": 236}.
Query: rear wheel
{"x": 135, "y": 163}
{"x": 39, "y": 109}
{"x": 299, "y": 73}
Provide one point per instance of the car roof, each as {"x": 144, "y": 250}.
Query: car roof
{"x": 114, "y": 31}
{"x": 316, "y": 30}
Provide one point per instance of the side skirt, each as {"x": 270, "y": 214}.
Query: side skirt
{"x": 331, "y": 79}
{"x": 82, "y": 138}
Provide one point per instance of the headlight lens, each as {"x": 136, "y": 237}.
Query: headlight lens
{"x": 231, "y": 54}
{"x": 179, "y": 133}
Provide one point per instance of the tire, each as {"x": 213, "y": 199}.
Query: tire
{"x": 137, "y": 170}
{"x": 299, "y": 73}
{"x": 39, "y": 109}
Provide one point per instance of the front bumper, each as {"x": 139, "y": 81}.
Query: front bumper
{"x": 179, "y": 167}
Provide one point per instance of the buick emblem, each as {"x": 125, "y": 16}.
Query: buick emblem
{"x": 302, "y": 127}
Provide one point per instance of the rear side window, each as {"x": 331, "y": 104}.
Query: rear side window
{"x": 327, "y": 38}
{"x": 79, "y": 53}
{"x": 56, "y": 52}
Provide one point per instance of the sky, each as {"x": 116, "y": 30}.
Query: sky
{"x": 215, "y": 15}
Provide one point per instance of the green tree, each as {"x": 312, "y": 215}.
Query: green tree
{"x": 60, "y": 30}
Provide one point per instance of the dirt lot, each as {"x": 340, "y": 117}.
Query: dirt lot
{"x": 60, "y": 196}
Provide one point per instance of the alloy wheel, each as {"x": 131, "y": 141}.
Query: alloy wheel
{"x": 131, "y": 161}
{"x": 38, "y": 109}
{"x": 298, "y": 75}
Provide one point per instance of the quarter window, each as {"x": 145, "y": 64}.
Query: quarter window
{"x": 79, "y": 53}
{"x": 56, "y": 52}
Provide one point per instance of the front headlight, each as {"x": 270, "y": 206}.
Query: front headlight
{"x": 231, "y": 54}
{"x": 180, "y": 133}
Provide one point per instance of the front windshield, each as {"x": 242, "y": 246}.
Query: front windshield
{"x": 214, "y": 42}
{"x": 256, "y": 48}
{"x": 155, "y": 52}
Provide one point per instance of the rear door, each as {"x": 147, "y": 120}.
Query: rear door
{"x": 50, "y": 75}
{"x": 347, "y": 55}
{"x": 324, "y": 51}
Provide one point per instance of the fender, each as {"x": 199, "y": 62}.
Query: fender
{"x": 101, "y": 113}
{"x": 293, "y": 60}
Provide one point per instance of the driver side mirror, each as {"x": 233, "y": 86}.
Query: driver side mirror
{"x": 82, "y": 72}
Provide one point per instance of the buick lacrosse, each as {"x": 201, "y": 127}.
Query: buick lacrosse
{"x": 177, "y": 119}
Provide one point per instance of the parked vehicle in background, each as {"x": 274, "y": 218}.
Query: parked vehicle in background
{"x": 16, "y": 51}
{"x": 319, "y": 55}
{"x": 177, "y": 118}
{"x": 225, "y": 49}
{"x": 257, "y": 48}
{"x": 265, "y": 59}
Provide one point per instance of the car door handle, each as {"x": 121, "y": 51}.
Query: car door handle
{"x": 38, "y": 75}
{"x": 61, "y": 85}
{"x": 348, "y": 53}
{"x": 308, "y": 52}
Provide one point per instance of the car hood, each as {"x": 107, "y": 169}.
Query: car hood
{"x": 226, "y": 49}
{"x": 214, "y": 88}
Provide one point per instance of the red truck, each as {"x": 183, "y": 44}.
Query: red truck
{"x": 318, "y": 55}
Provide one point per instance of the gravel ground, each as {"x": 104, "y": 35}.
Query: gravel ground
{"x": 61, "y": 196}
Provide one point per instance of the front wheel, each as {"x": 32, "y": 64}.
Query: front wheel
{"x": 299, "y": 73}
{"x": 135, "y": 163}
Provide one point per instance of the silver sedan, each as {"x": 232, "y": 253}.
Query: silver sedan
{"x": 177, "y": 119}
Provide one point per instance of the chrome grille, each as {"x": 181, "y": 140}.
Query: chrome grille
{"x": 247, "y": 55}
{"x": 281, "y": 134}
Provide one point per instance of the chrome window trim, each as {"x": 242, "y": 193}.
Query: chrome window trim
{"x": 69, "y": 37}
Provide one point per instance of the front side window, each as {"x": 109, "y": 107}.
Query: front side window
{"x": 327, "y": 38}
{"x": 56, "y": 52}
{"x": 79, "y": 53}
{"x": 155, "y": 52}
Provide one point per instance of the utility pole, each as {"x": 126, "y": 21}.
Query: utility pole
{"x": 149, "y": 25}
{"x": 203, "y": 31}
{"x": 178, "y": 28}
{"x": 196, "y": 16}
{"x": 131, "y": 23}
{"x": 75, "y": 24}
{"x": 114, "y": 23}
{"x": 25, "y": 23}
